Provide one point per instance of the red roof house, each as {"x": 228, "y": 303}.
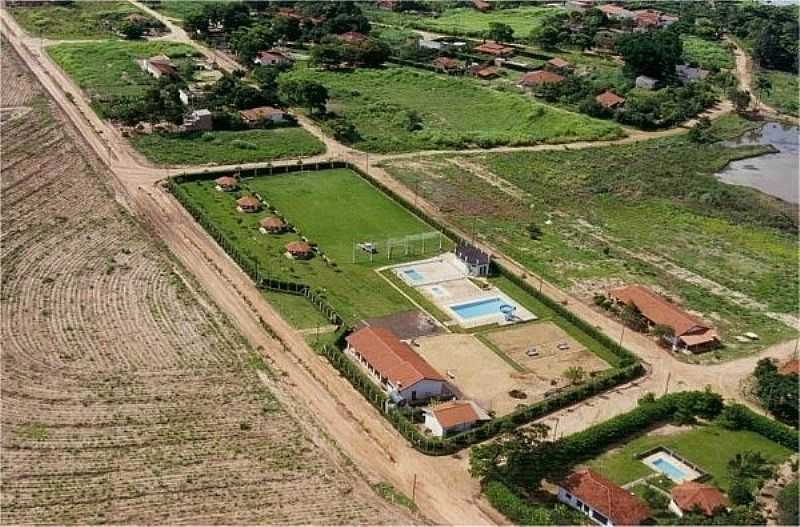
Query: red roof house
{"x": 538, "y": 78}
{"x": 601, "y": 500}
{"x": 272, "y": 225}
{"x": 482, "y": 5}
{"x": 493, "y": 48}
{"x": 559, "y": 64}
{"x": 453, "y": 416}
{"x": 610, "y": 100}
{"x": 447, "y": 64}
{"x": 790, "y": 368}
{"x": 352, "y": 37}
{"x": 691, "y": 496}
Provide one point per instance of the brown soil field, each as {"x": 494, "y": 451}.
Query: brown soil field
{"x": 126, "y": 395}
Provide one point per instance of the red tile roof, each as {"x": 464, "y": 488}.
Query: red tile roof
{"x": 558, "y": 62}
{"x": 537, "y": 78}
{"x": 298, "y": 247}
{"x": 226, "y": 181}
{"x": 493, "y": 48}
{"x": 272, "y": 54}
{"x": 447, "y": 63}
{"x": 352, "y": 37}
{"x": 391, "y": 357}
{"x": 691, "y": 495}
{"x": 609, "y": 99}
{"x": 262, "y": 112}
{"x": 607, "y": 498}
{"x": 455, "y": 413}
{"x": 790, "y": 368}
{"x": 481, "y": 5}
{"x": 248, "y": 202}
{"x": 656, "y": 309}
{"x": 272, "y": 222}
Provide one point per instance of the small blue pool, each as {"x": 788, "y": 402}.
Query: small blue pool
{"x": 479, "y": 308}
{"x": 413, "y": 275}
{"x": 669, "y": 470}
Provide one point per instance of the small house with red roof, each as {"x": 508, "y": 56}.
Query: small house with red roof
{"x": 558, "y": 64}
{"x": 272, "y": 225}
{"x": 248, "y": 204}
{"x": 273, "y": 57}
{"x": 602, "y": 501}
{"x": 692, "y": 496}
{"x": 535, "y": 79}
{"x": 397, "y": 368}
{"x": 609, "y": 100}
{"x": 453, "y": 417}
{"x": 352, "y": 37}
{"x": 495, "y": 49}
{"x": 447, "y": 65}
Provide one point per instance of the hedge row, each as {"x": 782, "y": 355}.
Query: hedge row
{"x": 741, "y": 417}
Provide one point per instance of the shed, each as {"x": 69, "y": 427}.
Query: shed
{"x": 254, "y": 116}
{"x": 559, "y": 64}
{"x": 272, "y": 225}
{"x": 447, "y": 64}
{"x": 490, "y": 47}
{"x": 226, "y": 183}
{"x": 453, "y": 417}
{"x": 248, "y": 204}
{"x": 609, "y": 99}
{"x": 687, "y": 73}
{"x": 646, "y": 83}
{"x": 299, "y": 250}
{"x": 272, "y": 57}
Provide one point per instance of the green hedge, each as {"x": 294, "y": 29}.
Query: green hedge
{"x": 515, "y": 508}
{"x": 738, "y": 416}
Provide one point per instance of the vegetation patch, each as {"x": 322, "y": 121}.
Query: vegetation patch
{"x": 708, "y": 54}
{"x": 782, "y": 92}
{"x": 76, "y": 20}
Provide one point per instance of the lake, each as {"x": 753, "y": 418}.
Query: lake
{"x": 775, "y": 174}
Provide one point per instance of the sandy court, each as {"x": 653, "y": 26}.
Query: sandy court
{"x": 545, "y": 337}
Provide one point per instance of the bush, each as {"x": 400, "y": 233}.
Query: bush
{"x": 243, "y": 145}
{"x": 788, "y": 500}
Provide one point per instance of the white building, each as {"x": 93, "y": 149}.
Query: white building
{"x": 453, "y": 417}
{"x": 646, "y": 83}
{"x": 158, "y": 66}
{"x": 603, "y": 502}
{"x": 474, "y": 261}
{"x": 273, "y": 57}
{"x": 199, "y": 120}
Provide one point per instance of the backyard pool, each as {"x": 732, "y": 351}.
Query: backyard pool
{"x": 669, "y": 470}
{"x": 480, "y": 308}
{"x": 413, "y": 275}
{"x": 668, "y": 464}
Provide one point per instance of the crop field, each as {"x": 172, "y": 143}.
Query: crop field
{"x": 706, "y": 53}
{"x": 83, "y": 19}
{"x": 126, "y": 398}
{"x": 228, "y": 147}
{"x": 590, "y": 205}
{"x": 108, "y": 69}
{"x": 709, "y": 447}
{"x": 332, "y": 208}
{"x": 468, "y": 21}
{"x": 783, "y": 94}
{"x": 398, "y": 109}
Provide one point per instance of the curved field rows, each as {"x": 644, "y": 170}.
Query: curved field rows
{"x": 125, "y": 400}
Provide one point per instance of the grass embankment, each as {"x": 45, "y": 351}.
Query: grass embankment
{"x": 711, "y": 55}
{"x": 709, "y": 447}
{"x": 658, "y": 199}
{"x": 784, "y": 95}
{"x": 76, "y": 21}
{"x": 398, "y": 109}
{"x": 227, "y": 147}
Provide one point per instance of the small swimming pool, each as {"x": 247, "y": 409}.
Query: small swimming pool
{"x": 668, "y": 469}
{"x": 479, "y": 308}
{"x": 413, "y": 275}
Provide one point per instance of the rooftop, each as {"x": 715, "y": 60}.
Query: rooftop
{"x": 691, "y": 495}
{"x": 609, "y": 99}
{"x": 657, "y": 309}
{"x": 536, "y": 78}
{"x": 455, "y": 413}
{"x": 262, "y": 112}
{"x": 607, "y": 498}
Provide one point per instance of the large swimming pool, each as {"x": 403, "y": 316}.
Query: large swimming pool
{"x": 479, "y": 308}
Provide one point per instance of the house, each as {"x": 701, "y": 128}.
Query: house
{"x": 691, "y": 496}
{"x": 602, "y": 501}
{"x": 493, "y": 48}
{"x": 397, "y": 368}
{"x": 248, "y": 204}
{"x": 199, "y": 121}
{"x": 387, "y": 5}
{"x": 610, "y": 100}
{"x": 645, "y": 19}
{"x": 272, "y": 225}
{"x": 299, "y": 250}
{"x": 688, "y": 74}
{"x": 447, "y": 65}
{"x": 558, "y": 64}
{"x": 272, "y": 57}
{"x": 192, "y": 94}
{"x": 482, "y": 5}
{"x": 615, "y": 12}
{"x": 474, "y": 261}
{"x": 263, "y": 114}
{"x": 792, "y": 367}
{"x": 430, "y": 44}
{"x": 226, "y": 184}
{"x": 691, "y": 335}
{"x": 579, "y": 5}
{"x": 158, "y": 66}
{"x": 484, "y": 72}
{"x": 538, "y": 78}
{"x": 453, "y": 417}
{"x": 646, "y": 83}
{"x": 352, "y": 37}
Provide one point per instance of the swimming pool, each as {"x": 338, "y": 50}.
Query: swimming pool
{"x": 413, "y": 275}
{"x": 479, "y": 308}
{"x": 668, "y": 469}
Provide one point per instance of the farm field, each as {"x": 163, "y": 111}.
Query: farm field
{"x": 228, "y": 147}
{"x": 126, "y": 398}
{"x": 333, "y": 208}
{"x": 706, "y": 53}
{"x": 710, "y": 447}
{"x": 399, "y": 109}
{"x": 84, "y": 19}
{"x": 783, "y": 94}
{"x": 590, "y": 221}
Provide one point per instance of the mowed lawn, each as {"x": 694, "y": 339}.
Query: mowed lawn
{"x": 227, "y": 147}
{"x": 332, "y": 208}
{"x": 709, "y": 447}
{"x": 398, "y": 109}
{"x": 83, "y": 19}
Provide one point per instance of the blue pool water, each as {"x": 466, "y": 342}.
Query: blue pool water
{"x": 413, "y": 275}
{"x": 479, "y": 308}
{"x": 668, "y": 469}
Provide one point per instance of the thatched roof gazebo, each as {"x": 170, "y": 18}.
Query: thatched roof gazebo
{"x": 248, "y": 204}
{"x": 272, "y": 225}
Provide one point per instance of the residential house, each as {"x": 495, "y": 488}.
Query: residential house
{"x": 615, "y": 12}
{"x": 475, "y": 262}
{"x": 272, "y": 57}
{"x": 609, "y": 100}
{"x": 558, "y": 65}
{"x": 646, "y": 83}
{"x": 158, "y": 66}
{"x": 494, "y": 48}
{"x": 692, "y": 496}
{"x": 687, "y": 74}
{"x": 690, "y": 335}
{"x": 602, "y": 501}
{"x": 352, "y": 37}
{"x": 261, "y": 115}
{"x": 248, "y": 204}
{"x": 199, "y": 121}
{"x": 538, "y": 78}
{"x": 226, "y": 184}
{"x": 645, "y": 19}
{"x": 579, "y": 5}
{"x": 482, "y": 5}
{"x": 448, "y": 65}
{"x": 484, "y": 72}
{"x": 387, "y": 5}
{"x": 397, "y": 368}
{"x": 430, "y": 44}
{"x": 453, "y": 417}
{"x": 193, "y": 94}
{"x": 299, "y": 250}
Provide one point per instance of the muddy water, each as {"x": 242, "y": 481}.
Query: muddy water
{"x": 776, "y": 174}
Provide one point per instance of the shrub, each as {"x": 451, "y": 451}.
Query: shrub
{"x": 243, "y": 145}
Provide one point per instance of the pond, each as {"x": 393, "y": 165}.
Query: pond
{"x": 774, "y": 174}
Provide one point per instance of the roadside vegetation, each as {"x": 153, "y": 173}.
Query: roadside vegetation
{"x": 777, "y": 392}
{"x": 781, "y": 90}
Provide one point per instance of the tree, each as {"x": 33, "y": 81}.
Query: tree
{"x": 327, "y": 54}
{"x": 343, "y": 130}
{"x": 748, "y": 465}
{"x": 778, "y": 393}
{"x": 534, "y": 231}
{"x": 788, "y": 500}
{"x": 310, "y": 94}
{"x": 663, "y": 332}
{"x": 702, "y": 132}
{"x": 512, "y": 456}
{"x": 132, "y": 29}
{"x": 500, "y": 32}
{"x": 247, "y": 42}
{"x": 739, "y": 493}
{"x": 285, "y": 28}
{"x": 763, "y": 86}
{"x": 740, "y": 99}
{"x": 633, "y": 318}
{"x": 547, "y": 35}
{"x": 652, "y": 53}
{"x": 574, "y": 374}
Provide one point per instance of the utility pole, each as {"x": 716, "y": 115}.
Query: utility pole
{"x": 414, "y": 489}
{"x": 622, "y": 334}
{"x": 666, "y": 386}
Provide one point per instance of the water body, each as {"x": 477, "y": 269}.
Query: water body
{"x": 775, "y": 174}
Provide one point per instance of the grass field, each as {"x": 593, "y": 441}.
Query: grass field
{"x": 106, "y": 69}
{"x": 706, "y": 54}
{"x": 468, "y": 21}
{"x": 785, "y": 93}
{"x": 709, "y": 447}
{"x": 180, "y": 9}
{"x": 227, "y": 147}
{"x": 591, "y": 205}
{"x": 453, "y": 113}
{"x": 79, "y": 20}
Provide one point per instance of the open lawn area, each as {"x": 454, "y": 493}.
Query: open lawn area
{"x": 590, "y": 205}
{"x": 228, "y": 147}
{"x": 783, "y": 95}
{"x": 78, "y": 20}
{"x": 712, "y": 55}
{"x": 468, "y": 21}
{"x": 105, "y": 69}
{"x": 709, "y": 447}
{"x": 332, "y": 208}
{"x": 398, "y": 109}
